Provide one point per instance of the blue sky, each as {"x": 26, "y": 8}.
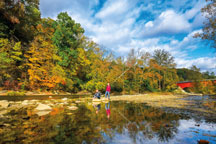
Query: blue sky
{"x": 120, "y": 25}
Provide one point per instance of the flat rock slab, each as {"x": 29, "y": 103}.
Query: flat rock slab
{"x": 4, "y": 103}
{"x": 42, "y": 107}
{"x": 2, "y": 112}
{"x": 42, "y": 113}
{"x": 96, "y": 100}
{"x": 72, "y": 107}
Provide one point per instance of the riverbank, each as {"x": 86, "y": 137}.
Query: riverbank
{"x": 178, "y": 91}
{"x": 36, "y": 93}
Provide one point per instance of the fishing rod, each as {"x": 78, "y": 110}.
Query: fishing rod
{"x": 121, "y": 74}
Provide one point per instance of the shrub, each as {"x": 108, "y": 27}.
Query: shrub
{"x": 14, "y": 93}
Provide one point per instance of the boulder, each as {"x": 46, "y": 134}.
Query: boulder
{"x": 42, "y": 107}
{"x": 77, "y": 101}
{"x": 72, "y": 107}
{"x": 14, "y": 105}
{"x": 25, "y": 102}
{"x": 42, "y": 113}
{"x": 64, "y": 99}
{"x": 2, "y": 112}
{"x": 4, "y": 103}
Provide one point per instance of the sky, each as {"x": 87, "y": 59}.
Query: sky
{"x": 145, "y": 25}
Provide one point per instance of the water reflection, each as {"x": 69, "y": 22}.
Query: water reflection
{"x": 107, "y": 107}
{"x": 97, "y": 107}
{"x": 93, "y": 123}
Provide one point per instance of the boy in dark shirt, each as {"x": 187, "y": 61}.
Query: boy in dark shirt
{"x": 97, "y": 94}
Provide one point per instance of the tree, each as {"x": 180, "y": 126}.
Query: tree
{"x": 43, "y": 70}
{"x": 18, "y": 19}
{"x": 196, "y": 73}
{"x": 10, "y": 60}
{"x": 99, "y": 69}
{"x": 68, "y": 38}
{"x": 209, "y": 29}
{"x": 164, "y": 58}
{"x": 167, "y": 71}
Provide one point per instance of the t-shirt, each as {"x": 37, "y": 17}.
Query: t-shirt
{"x": 108, "y": 88}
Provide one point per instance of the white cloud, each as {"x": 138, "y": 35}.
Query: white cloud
{"x": 149, "y": 24}
{"x": 171, "y": 21}
{"x": 115, "y": 26}
{"x": 189, "y": 42}
{"x": 198, "y": 21}
{"x": 204, "y": 63}
{"x": 111, "y": 8}
{"x": 178, "y": 49}
{"x": 191, "y": 13}
{"x": 167, "y": 23}
{"x": 196, "y": 15}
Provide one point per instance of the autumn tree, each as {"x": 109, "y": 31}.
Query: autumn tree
{"x": 18, "y": 19}
{"x": 167, "y": 71}
{"x": 10, "y": 59}
{"x": 43, "y": 70}
{"x": 152, "y": 76}
{"x": 209, "y": 29}
{"x": 99, "y": 69}
{"x": 132, "y": 69}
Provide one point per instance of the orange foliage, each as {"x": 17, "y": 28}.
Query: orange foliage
{"x": 55, "y": 111}
{"x": 41, "y": 56}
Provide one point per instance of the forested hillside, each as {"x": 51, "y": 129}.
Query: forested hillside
{"x": 43, "y": 54}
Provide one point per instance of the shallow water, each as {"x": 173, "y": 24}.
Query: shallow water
{"x": 112, "y": 122}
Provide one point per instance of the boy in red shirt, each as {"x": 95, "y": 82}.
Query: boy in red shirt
{"x": 108, "y": 88}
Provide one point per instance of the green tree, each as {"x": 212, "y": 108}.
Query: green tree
{"x": 68, "y": 39}
{"x": 196, "y": 76}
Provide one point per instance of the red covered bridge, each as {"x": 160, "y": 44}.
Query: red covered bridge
{"x": 187, "y": 84}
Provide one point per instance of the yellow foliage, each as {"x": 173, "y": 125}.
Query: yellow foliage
{"x": 42, "y": 58}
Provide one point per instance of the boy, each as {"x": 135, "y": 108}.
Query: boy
{"x": 97, "y": 94}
